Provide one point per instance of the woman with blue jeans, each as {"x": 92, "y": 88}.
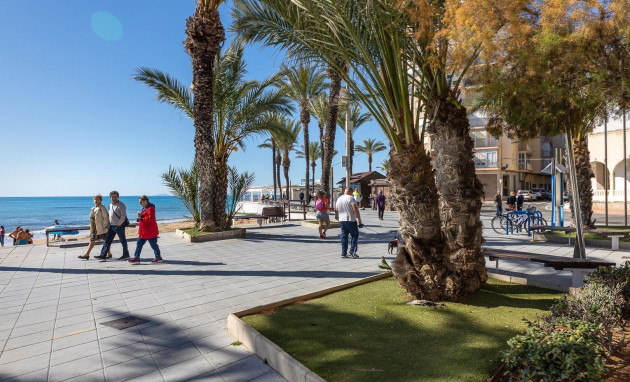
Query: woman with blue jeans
{"x": 147, "y": 231}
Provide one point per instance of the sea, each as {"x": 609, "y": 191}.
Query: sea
{"x": 37, "y": 213}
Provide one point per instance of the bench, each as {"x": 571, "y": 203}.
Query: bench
{"x": 578, "y": 267}
{"x": 613, "y": 235}
{"x": 47, "y": 231}
{"x": 267, "y": 213}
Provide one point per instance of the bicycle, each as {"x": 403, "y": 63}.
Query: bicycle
{"x": 517, "y": 221}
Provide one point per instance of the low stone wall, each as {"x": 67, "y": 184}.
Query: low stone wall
{"x": 212, "y": 236}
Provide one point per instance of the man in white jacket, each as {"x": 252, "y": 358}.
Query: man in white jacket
{"x": 347, "y": 213}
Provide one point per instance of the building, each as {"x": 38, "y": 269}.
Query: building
{"x": 379, "y": 185}
{"x": 362, "y": 181}
{"x": 607, "y": 161}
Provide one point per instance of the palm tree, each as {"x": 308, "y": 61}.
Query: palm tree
{"x": 185, "y": 185}
{"x": 315, "y": 153}
{"x": 302, "y": 84}
{"x": 385, "y": 166}
{"x": 370, "y": 147}
{"x": 319, "y": 108}
{"x": 357, "y": 118}
{"x": 270, "y": 143}
{"x": 399, "y": 63}
{"x": 242, "y": 110}
{"x": 205, "y": 35}
{"x": 286, "y": 144}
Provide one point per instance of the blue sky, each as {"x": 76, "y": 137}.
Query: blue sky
{"x": 73, "y": 122}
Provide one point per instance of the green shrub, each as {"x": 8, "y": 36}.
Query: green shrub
{"x": 614, "y": 276}
{"x": 561, "y": 351}
{"x": 595, "y": 303}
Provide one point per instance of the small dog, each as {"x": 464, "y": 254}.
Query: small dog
{"x": 392, "y": 244}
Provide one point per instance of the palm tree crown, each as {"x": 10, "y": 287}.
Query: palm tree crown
{"x": 369, "y": 147}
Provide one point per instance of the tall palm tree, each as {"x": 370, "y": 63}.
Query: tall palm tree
{"x": 357, "y": 119}
{"x": 370, "y": 147}
{"x": 302, "y": 84}
{"x": 270, "y": 143}
{"x": 244, "y": 108}
{"x": 205, "y": 35}
{"x": 319, "y": 108}
{"x": 286, "y": 144}
{"x": 315, "y": 153}
{"x": 397, "y": 63}
{"x": 385, "y": 167}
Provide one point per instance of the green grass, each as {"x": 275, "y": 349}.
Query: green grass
{"x": 367, "y": 333}
{"x": 594, "y": 236}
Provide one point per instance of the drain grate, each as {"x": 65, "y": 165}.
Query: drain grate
{"x": 124, "y": 323}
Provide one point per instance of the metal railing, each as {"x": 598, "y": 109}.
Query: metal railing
{"x": 613, "y": 195}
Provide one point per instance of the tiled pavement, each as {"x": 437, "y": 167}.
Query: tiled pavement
{"x": 52, "y": 305}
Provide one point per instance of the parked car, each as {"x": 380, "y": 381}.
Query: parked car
{"x": 541, "y": 193}
{"x": 528, "y": 196}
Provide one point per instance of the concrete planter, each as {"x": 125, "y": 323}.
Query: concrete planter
{"x": 310, "y": 224}
{"x": 589, "y": 242}
{"x": 212, "y": 236}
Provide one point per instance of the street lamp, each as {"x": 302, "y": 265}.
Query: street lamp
{"x": 345, "y": 95}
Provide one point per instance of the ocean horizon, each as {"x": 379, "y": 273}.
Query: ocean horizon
{"x": 37, "y": 213}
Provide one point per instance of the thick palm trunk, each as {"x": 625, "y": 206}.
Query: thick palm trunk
{"x": 286, "y": 163}
{"x": 584, "y": 174}
{"x": 423, "y": 267}
{"x": 220, "y": 192}
{"x": 461, "y": 193}
{"x": 305, "y": 118}
{"x": 273, "y": 162}
{"x": 331, "y": 127}
{"x": 205, "y": 34}
{"x": 277, "y": 169}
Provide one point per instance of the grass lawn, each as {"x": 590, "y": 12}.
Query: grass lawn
{"x": 367, "y": 333}
{"x": 594, "y": 235}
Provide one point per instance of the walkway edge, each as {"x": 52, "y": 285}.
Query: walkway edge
{"x": 279, "y": 360}
{"x": 525, "y": 281}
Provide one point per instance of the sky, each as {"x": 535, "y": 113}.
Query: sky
{"x": 73, "y": 121}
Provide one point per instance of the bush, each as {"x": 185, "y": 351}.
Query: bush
{"x": 562, "y": 351}
{"x": 594, "y": 303}
{"x": 612, "y": 277}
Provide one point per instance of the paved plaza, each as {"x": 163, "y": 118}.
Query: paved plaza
{"x": 53, "y": 305}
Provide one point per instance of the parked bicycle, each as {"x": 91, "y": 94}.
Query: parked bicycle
{"x": 517, "y": 221}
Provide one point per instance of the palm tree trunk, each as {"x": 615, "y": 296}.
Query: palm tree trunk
{"x": 205, "y": 34}
{"x": 584, "y": 174}
{"x": 321, "y": 140}
{"x": 331, "y": 127}
{"x": 273, "y": 162}
{"x": 423, "y": 266}
{"x": 305, "y": 118}
{"x": 286, "y": 163}
{"x": 277, "y": 168}
{"x": 220, "y": 192}
{"x": 313, "y": 167}
{"x": 461, "y": 193}
{"x": 370, "y": 162}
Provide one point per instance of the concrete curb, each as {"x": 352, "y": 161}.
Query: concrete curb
{"x": 212, "y": 236}
{"x": 279, "y": 360}
{"x": 308, "y": 224}
{"x": 589, "y": 242}
{"x": 524, "y": 281}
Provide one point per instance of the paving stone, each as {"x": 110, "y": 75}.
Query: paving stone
{"x": 131, "y": 369}
{"x": 25, "y": 352}
{"x": 75, "y": 368}
{"x": 176, "y": 355}
{"x": 25, "y": 365}
{"x": 95, "y": 376}
{"x": 125, "y": 353}
{"x": 183, "y": 371}
{"x": 75, "y": 352}
{"x": 228, "y": 355}
{"x": 244, "y": 370}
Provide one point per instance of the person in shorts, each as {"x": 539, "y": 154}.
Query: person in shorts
{"x": 99, "y": 225}
{"x": 321, "y": 205}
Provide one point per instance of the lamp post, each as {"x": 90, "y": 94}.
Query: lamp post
{"x": 345, "y": 94}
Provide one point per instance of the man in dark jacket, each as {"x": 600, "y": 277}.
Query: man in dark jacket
{"x": 519, "y": 201}
{"x": 499, "y": 203}
{"x": 511, "y": 201}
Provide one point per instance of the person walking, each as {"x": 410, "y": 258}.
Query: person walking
{"x": 499, "y": 203}
{"x": 117, "y": 223}
{"x": 380, "y": 204}
{"x": 374, "y": 207}
{"x": 519, "y": 201}
{"x": 1, "y": 236}
{"x": 511, "y": 201}
{"x": 321, "y": 205}
{"x": 99, "y": 225}
{"x": 147, "y": 231}
{"x": 347, "y": 213}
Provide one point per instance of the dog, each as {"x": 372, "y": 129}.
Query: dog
{"x": 392, "y": 244}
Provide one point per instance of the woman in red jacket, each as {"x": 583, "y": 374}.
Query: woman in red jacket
{"x": 147, "y": 231}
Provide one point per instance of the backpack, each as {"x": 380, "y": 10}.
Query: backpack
{"x": 319, "y": 204}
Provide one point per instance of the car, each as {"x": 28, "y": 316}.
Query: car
{"x": 541, "y": 193}
{"x": 528, "y": 196}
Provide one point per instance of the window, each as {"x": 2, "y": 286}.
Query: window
{"x": 481, "y": 138}
{"x": 545, "y": 149}
{"x": 486, "y": 158}
{"x": 523, "y": 162}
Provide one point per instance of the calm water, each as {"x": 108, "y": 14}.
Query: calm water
{"x": 39, "y": 213}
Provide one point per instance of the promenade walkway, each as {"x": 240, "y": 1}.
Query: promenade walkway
{"x": 53, "y": 305}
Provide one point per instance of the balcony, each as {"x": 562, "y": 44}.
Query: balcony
{"x": 485, "y": 142}
{"x": 525, "y": 165}
{"x": 486, "y": 159}
{"x": 525, "y": 147}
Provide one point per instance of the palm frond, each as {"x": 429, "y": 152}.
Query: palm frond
{"x": 168, "y": 89}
